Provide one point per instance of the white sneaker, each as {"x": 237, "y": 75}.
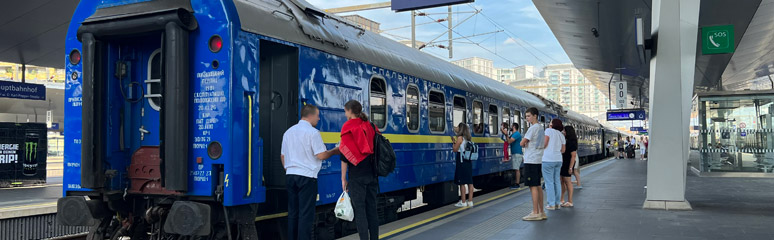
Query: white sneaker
{"x": 460, "y": 204}
{"x": 470, "y": 203}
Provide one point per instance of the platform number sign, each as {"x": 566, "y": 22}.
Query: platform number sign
{"x": 717, "y": 39}
{"x": 620, "y": 94}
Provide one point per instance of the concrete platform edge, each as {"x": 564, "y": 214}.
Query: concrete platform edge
{"x": 24, "y": 212}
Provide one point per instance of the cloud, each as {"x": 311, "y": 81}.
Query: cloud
{"x": 531, "y": 11}
{"x": 509, "y": 41}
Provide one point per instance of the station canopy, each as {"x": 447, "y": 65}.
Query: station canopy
{"x": 34, "y": 31}
{"x": 614, "y": 50}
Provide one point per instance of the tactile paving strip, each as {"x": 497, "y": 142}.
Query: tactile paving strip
{"x": 496, "y": 224}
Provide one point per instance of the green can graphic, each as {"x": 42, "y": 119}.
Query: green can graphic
{"x": 30, "y": 163}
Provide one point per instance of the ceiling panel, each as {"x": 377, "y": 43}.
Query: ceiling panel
{"x": 34, "y": 31}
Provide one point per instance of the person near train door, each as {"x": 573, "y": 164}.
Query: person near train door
{"x": 357, "y": 161}
{"x": 302, "y": 154}
{"x": 532, "y": 142}
{"x": 517, "y": 158}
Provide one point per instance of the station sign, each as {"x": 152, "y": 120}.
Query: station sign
{"x": 620, "y": 94}
{"x": 636, "y": 129}
{"x": 626, "y": 115}
{"x": 20, "y": 90}
{"x": 407, "y": 5}
{"x": 717, "y": 39}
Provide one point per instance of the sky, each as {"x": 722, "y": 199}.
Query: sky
{"x": 525, "y": 38}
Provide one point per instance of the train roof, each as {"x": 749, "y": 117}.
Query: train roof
{"x": 316, "y": 29}
{"x": 581, "y": 118}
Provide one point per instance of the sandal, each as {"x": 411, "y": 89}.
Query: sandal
{"x": 567, "y": 204}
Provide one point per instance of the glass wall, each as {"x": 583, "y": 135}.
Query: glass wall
{"x": 733, "y": 133}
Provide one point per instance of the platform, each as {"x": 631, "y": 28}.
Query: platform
{"x": 32, "y": 200}
{"x": 608, "y": 207}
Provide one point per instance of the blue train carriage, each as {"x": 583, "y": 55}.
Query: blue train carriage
{"x": 590, "y": 137}
{"x": 176, "y": 111}
{"x": 588, "y": 130}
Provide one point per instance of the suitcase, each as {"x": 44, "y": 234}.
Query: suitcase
{"x": 630, "y": 152}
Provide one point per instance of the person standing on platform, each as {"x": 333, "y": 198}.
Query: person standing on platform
{"x": 627, "y": 145}
{"x": 302, "y": 153}
{"x": 642, "y": 148}
{"x": 357, "y": 148}
{"x": 618, "y": 148}
{"x": 569, "y": 164}
{"x": 552, "y": 163}
{"x": 533, "y": 144}
{"x": 646, "y": 148}
{"x": 463, "y": 171}
{"x": 517, "y": 159}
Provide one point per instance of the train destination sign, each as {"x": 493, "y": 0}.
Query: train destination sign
{"x": 406, "y": 5}
{"x": 626, "y": 115}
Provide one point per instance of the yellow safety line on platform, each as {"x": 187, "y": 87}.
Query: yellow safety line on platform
{"x": 284, "y": 214}
{"x": 28, "y": 187}
{"x": 335, "y": 137}
{"x": 399, "y": 230}
{"x": 267, "y": 217}
{"x": 29, "y": 206}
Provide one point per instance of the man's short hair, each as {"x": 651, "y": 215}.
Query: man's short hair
{"x": 308, "y": 110}
{"x": 532, "y": 111}
{"x": 516, "y": 126}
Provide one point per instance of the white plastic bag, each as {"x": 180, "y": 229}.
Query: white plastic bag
{"x": 343, "y": 208}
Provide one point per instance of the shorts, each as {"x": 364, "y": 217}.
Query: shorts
{"x": 517, "y": 160}
{"x": 532, "y": 174}
{"x": 576, "y": 164}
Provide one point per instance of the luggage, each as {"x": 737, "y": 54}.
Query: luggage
{"x": 470, "y": 151}
{"x": 384, "y": 154}
{"x": 343, "y": 209}
{"x": 630, "y": 152}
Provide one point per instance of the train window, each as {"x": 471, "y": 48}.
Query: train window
{"x": 436, "y": 116}
{"x": 517, "y": 118}
{"x": 153, "y": 82}
{"x": 507, "y": 117}
{"x": 459, "y": 111}
{"x": 478, "y": 117}
{"x": 412, "y": 108}
{"x": 493, "y": 118}
{"x": 378, "y": 102}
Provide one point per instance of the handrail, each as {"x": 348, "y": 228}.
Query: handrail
{"x": 249, "y": 145}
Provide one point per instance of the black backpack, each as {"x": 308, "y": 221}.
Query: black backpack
{"x": 384, "y": 155}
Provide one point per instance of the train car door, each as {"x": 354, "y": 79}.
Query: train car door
{"x": 278, "y": 106}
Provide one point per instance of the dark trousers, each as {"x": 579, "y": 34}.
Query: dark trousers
{"x": 363, "y": 194}
{"x": 302, "y": 193}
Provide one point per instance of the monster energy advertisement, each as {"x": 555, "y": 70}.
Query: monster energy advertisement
{"x": 22, "y": 153}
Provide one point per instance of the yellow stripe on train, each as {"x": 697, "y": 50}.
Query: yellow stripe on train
{"x": 335, "y": 137}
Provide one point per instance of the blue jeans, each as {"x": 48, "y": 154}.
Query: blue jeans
{"x": 553, "y": 187}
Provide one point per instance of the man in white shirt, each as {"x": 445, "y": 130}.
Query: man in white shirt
{"x": 303, "y": 151}
{"x": 533, "y": 143}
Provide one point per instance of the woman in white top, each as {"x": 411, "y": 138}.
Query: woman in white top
{"x": 552, "y": 163}
{"x": 642, "y": 148}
